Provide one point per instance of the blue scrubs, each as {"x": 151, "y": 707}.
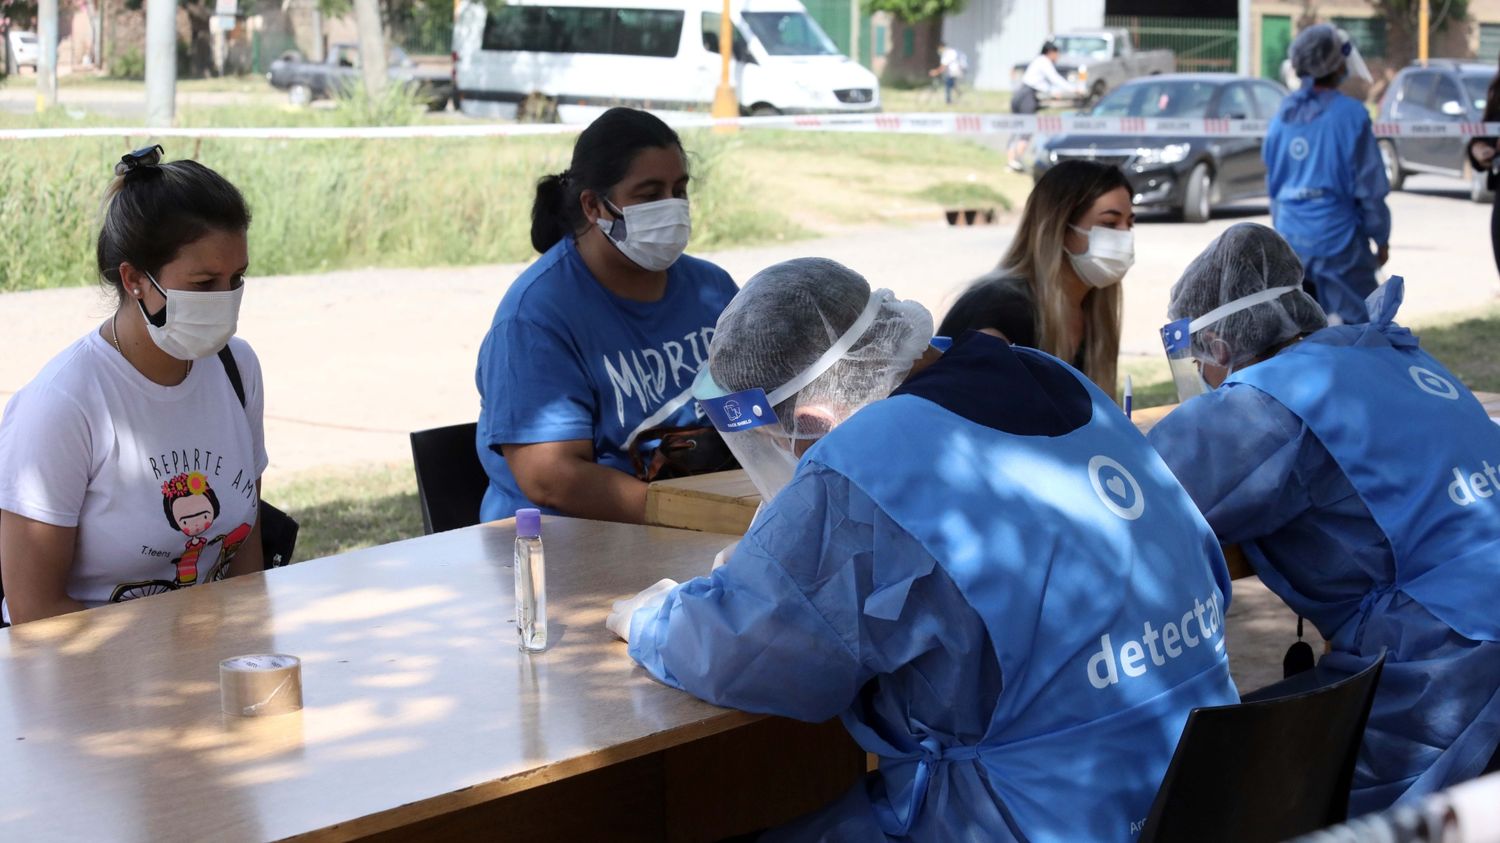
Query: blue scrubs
{"x": 566, "y": 359}
{"x": 1346, "y": 514}
{"x": 1017, "y": 618}
{"x": 1328, "y": 187}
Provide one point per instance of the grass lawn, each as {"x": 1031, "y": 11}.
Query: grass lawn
{"x": 970, "y": 101}
{"x": 359, "y": 507}
{"x": 325, "y": 205}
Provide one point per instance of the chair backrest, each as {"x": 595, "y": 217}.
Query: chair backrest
{"x": 1265, "y": 770}
{"x": 450, "y": 479}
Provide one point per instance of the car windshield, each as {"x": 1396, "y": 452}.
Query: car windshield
{"x": 1476, "y": 87}
{"x": 1089, "y": 47}
{"x": 1169, "y": 98}
{"x": 790, "y": 34}
{"x": 26, "y": 37}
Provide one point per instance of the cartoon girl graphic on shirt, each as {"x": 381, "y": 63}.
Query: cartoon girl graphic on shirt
{"x": 192, "y": 507}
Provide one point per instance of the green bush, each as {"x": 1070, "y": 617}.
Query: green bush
{"x": 130, "y": 64}
{"x": 324, "y": 205}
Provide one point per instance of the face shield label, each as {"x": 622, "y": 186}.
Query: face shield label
{"x": 739, "y": 411}
{"x": 1176, "y": 337}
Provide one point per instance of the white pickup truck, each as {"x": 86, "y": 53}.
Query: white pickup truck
{"x": 1100, "y": 60}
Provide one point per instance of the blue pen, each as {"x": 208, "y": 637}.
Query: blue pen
{"x": 1129, "y": 397}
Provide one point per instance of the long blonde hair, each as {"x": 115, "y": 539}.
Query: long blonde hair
{"x": 1060, "y": 198}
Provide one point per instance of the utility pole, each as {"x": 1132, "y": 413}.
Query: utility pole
{"x": 161, "y": 62}
{"x": 1423, "y": 24}
{"x": 371, "y": 45}
{"x": 1244, "y": 43}
{"x": 726, "y": 102}
{"x": 46, "y": 64}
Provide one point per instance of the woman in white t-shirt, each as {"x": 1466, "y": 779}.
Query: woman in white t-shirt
{"x": 129, "y": 466}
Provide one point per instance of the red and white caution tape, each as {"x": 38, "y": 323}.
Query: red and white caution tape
{"x": 919, "y": 124}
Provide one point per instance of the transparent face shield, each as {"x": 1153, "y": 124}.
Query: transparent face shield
{"x": 1352, "y": 59}
{"x": 1177, "y": 337}
{"x": 769, "y": 447}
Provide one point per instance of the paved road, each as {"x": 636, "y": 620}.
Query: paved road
{"x": 18, "y": 96}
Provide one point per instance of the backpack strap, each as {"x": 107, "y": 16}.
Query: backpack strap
{"x": 232, "y": 369}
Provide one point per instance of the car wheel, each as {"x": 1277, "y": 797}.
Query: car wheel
{"x": 764, "y": 110}
{"x": 1392, "y": 162}
{"x": 299, "y": 95}
{"x": 1197, "y": 202}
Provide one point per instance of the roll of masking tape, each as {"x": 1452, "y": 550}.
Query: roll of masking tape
{"x": 261, "y": 685}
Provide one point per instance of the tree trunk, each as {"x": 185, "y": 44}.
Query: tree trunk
{"x": 371, "y": 46}
{"x": 902, "y": 70}
{"x": 200, "y": 43}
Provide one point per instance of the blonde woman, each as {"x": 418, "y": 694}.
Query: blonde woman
{"x": 1058, "y": 287}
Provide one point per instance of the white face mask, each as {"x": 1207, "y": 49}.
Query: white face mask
{"x": 1110, "y": 255}
{"x": 652, "y": 234}
{"x": 193, "y": 325}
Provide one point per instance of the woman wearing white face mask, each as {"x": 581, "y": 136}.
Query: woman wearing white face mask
{"x": 1058, "y": 287}
{"x": 600, "y": 339}
{"x": 129, "y": 466}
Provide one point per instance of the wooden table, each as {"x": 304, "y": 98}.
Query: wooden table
{"x": 422, "y": 720}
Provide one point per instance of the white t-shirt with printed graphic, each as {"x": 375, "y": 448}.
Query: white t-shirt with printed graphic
{"x": 159, "y": 480}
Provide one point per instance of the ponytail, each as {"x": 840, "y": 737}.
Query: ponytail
{"x": 548, "y": 218}
{"x": 601, "y": 158}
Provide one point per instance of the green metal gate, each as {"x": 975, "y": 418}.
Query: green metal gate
{"x": 1200, "y": 44}
{"x": 833, "y": 16}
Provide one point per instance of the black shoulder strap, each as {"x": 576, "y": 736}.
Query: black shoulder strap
{"x": 232, "y": 369}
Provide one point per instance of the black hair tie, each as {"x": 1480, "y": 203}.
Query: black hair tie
{"x": 144, "y": 160}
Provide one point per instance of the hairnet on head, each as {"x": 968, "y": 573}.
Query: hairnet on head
{"x": 1318, "y": 51}
{"x": 814, "y": 337}
{"x": 1248, "y": 260}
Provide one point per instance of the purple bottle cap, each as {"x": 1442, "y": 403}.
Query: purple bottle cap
{"x": 529, "y": 523}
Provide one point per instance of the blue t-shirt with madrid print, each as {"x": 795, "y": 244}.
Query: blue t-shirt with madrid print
{"x": 567, "y": 359}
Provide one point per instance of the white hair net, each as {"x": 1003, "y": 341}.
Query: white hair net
{"x": 1319, "y": 50}
{"x": 1230, "y": 293}
{"x": 812, "y": 335}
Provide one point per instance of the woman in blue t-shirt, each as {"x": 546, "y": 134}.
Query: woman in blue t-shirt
{"x": 600, "y": 338}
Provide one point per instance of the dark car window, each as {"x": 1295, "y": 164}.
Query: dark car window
{"x": 1447, "y": 92}
{"x": 1158, "y": 98}
{"x": 1416, "y": 91}
{"x": 1269, "y": 98}
{"x": 1235, "y": 103}
{"x": 1477, "y": 88}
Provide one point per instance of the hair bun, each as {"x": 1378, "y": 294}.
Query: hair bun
{"x": 145, "y": 160}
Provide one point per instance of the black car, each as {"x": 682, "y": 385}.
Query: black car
{"x": 1186, "y": 175}
{"x": 1444, "y": 91}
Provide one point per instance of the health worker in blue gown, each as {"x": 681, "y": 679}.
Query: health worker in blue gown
{"x": 1325, "y": 176}
{"x": 1359, "y": 475}
{"x": 972, "y": 557}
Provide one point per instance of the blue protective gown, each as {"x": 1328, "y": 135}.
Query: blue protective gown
{"x": 1327, "y": 186}
{"x": 1280, "y": 486}
{"x": 981, "y": 618}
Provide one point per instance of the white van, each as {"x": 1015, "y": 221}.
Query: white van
{"x": 657, "y": 54}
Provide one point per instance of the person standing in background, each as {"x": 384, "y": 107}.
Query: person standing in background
{"x": 1482, "y": 156}
{"x": 1040, "y": 79}
{"x": 1325, "y": 176}
{"x": 950, "y": 68}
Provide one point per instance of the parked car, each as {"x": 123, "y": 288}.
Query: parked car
{"x": 1187, "y": 175}
{"x": 659, "y": 54}
{"x": 1099, "y": 61}
{"x": 306, "y": 81}
{"x": 24, "y": 48}
{"x": 1446, "y": 91}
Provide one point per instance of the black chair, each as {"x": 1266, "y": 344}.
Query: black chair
{"x": 450, "y": 479}
{"x": 1275, "y": 766}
